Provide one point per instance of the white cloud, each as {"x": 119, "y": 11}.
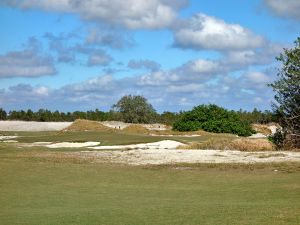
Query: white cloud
{"x": 99, "y": 58}
{"x": 133, "y": 14}
{"x": 113, "y": 40}
{"x": 284, "y": 8}
{"x": 25, "y": 63}
{"x": 258, "y": 78}
{"x": 204, "y": 66}
{"x": 187, "y": 88}
{"x": 41, "y": 91}
{"x": 206, "y": 32}
{"x": 144, "y": 64}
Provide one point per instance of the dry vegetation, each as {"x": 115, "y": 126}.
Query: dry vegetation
{"x": 260, "y": 128}
{"x": 178, "y": 133}
{"x": 87, "y": 125}
{"x": 241, "y": 144}
{"x": 136, "y": 129}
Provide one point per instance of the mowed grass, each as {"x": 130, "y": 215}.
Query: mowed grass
{"x": 105, "y": 137}
{"x": 44, "y": 192}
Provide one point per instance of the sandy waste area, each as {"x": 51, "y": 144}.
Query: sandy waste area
{"x": 32, "y": 126}
{"x": 165, "y": 152}
{"x": 155, "y": 153}
{"x": 167, "y": 156}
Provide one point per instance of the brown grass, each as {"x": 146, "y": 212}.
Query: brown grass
{"x": 241, "y": 144}
{"x": 86, "y": 125}
{"x": 135, "y": 129}
{"x": 179, "y": 133}
{"x": 260, "y": 128}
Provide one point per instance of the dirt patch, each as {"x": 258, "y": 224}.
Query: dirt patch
{"x": 115, "y": 124}
{"x": 121, "y": 125}
{"x": 157, "y": 126}
{"x": 86, "y": 125}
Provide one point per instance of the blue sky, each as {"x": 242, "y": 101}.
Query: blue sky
{"x": 81, "y": 55}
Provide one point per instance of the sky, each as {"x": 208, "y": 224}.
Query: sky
{"x": 72, "y": 55}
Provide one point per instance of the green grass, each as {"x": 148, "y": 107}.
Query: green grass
{"x": 106, "y": 138}
{"x": 47, "y": 192}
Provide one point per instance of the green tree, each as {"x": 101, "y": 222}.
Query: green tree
{"x": 135, "y": 109}
{"x": 3, "y": 114}
{"x": 213, "y": 118}
{"x": 287, "y": 95}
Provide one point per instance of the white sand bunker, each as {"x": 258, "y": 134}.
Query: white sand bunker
{"x": 167, "y": 156}
{"x": 273, "y": 128}
{"x": 9, "y": 141}
{"x": 258, "y": 135}
{"x": 32, "y": 126}
{"x": 72, "y": 144}
{"x": 3, "y": 138}
{"x": 167, "y": 144}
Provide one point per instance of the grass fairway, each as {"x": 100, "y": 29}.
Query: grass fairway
{"x": 105, "y": 137}
{"x": 44, "y": 192}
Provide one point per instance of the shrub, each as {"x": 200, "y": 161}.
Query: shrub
{"x": 287, "y": 97}
{"x": 213, "y": 118}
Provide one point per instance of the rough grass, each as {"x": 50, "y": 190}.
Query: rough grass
{"x": 46, "y": 192}
{"x": 263, "y": 129}
{"x": 110, "y": 137}
{"x": 86, "y": 125}
{"x": 241, "y": 144}
{"x": 135, "y": 129}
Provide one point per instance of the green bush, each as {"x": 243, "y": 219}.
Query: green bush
{"x": 213, "y": 118}
{"x": 278, "y": 138}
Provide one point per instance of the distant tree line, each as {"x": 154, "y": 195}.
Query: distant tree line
{"x": 44, "y": 115}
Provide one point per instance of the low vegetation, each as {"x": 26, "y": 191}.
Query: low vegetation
{"x": 287, "y": 98}
{"x": 213, "y": 118}
{"x": 240, "y": 144}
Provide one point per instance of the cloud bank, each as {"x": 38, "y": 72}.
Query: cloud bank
{"x": 206, "y": 32}
{"x": 132, "y": 14}
{"x": 284, "y": 8}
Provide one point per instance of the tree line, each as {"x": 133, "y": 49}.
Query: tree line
{"x": 44, "y": 115}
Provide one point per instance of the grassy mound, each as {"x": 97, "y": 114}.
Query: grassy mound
{"x": 136, "y": 129}
{"x": 86, "y": 125}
